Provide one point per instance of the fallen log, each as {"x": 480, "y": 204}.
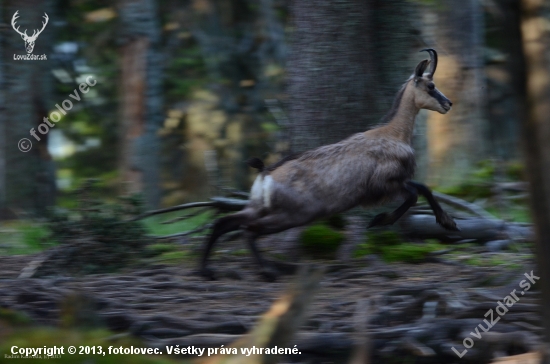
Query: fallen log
{"x": 479, "y": 229}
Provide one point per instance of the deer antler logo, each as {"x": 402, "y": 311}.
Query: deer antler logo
{"x": 29, "y": 41}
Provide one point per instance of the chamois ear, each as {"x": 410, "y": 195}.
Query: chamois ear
{"x": 419, "y": 71}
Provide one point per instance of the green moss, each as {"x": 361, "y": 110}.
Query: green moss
{"x": 469, "y": 190}
{"x": 36, "y": 236}
{"x": 25, "y": 237}
{"x": 336, "y": 222}
{"x": 485, "y": 170}
{"x": 13, "y": 317}
{"x": 496, "y": 261}
{"x": 154, "y": 224}
{"x": 513, "y": 211}
{"x": 476, "y": 262}
{"x": 384, "y": 238}
{"x": 516, "y": 171}
{"x": 408, "y": 252}
{"x": 240, "y": 252}
{"x": 321, "y": 241}
{"x": 159, "y": 248}
{"x": 392, "y": 248}
{"x": 174, "y": 257}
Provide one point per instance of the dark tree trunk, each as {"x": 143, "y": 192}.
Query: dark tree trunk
{"x": 141, "y": 98}
{"x": 504, "y": 89}
{"x": 27, "y": 179}
{"x": 3, "y": 56}
{"x": 346, "y": 63}
{"x": 536, "y": 134}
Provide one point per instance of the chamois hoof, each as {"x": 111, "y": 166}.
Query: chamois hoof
{"x": 447, "y": 222}
{"x": 205, "y": 273}
{"x": 381, "y": 220}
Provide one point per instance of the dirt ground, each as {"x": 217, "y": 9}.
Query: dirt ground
{"x": 169, "y": 305}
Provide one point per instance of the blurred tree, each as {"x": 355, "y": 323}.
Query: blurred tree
{"x": 3, "y": 212}
{"x": 536, "y": 134}
{"x": 504, "y": 58}
{"x": 141, "y": 104}
{"x": 458, "y": 139}
{"x": 347, "y": 61}
{"x": 27, "y": 179}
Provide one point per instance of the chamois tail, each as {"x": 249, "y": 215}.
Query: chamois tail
{"x": 256, "y": 163}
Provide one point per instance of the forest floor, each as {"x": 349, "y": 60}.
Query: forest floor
{"x": 419, "y": 311}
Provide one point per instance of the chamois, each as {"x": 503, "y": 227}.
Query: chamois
{"x": 367, "y": 169}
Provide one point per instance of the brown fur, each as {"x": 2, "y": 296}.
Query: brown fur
{"x": 365, "y": 169}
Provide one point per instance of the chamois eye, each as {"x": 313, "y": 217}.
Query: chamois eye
{"x": 431, "y": 86}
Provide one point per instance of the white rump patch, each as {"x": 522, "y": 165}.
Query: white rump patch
{"x": 256, "y": 191}
{"x": 261, "y": 190}
{"x": 268, "y": 187}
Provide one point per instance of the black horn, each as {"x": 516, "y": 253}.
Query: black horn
{"x": 433, "y": 56}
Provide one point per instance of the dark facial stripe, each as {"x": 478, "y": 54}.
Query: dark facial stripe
{"x": 438, "y": 96}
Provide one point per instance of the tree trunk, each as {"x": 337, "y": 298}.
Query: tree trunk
{"x": 503, "y": 70}
{"x": 3, "y": 212}
{"x": 27, "y": 179}
{"x": 536, "y": 134}
{"x": 347, "y": 62}
{"x": 141, "y": 100}
{"x": 457, "y": 140}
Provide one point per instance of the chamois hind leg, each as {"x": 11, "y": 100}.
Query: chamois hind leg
{"x": 222, "y": 226}
{"x": 441, "y": 216}
{"x": 268, "y": 272}
{"x": 272, "y": 224}
{"x": 390, "y": 218}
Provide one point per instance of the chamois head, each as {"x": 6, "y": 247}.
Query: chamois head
{"x": 426, "y": 95}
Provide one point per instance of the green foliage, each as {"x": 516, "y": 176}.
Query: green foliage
{"x": 480, "y": 181}
{"x": 160, "y": 248}
{"x": 174, "y": 257}
{"x": 336, "y": 222}
{"x": 186, "y": 72}
{"x": 390, "y": 246}
{"x": 485, "y": 170}
{"x": 8, "y": 316}
{"x": 494, "y": 260}
{"x": 99, "y": 236}
{"x": 474, "y": 261}
{"x": 384, "y": 238}
{"x": 321, "y": 241}
{"x": 516, "y": 171}
{"x": 169, "y": 253}
{"x": 154, "y": 224}
{"x": 37, "y": 237}
{"x": 25, "y": 237}
{"x": 244, "y": 253}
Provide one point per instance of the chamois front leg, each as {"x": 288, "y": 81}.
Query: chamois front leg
{"x": 390, "y": 218}
{"x": 441, "y": 217}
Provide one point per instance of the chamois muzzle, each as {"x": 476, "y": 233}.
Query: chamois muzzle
{"x": 445, "y": 103}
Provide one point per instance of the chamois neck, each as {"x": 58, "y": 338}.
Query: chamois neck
{"x": 401, "y": 124}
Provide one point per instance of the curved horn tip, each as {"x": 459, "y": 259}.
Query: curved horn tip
{"x": 428, "y": 50}
{"x": 433, "y": 57}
